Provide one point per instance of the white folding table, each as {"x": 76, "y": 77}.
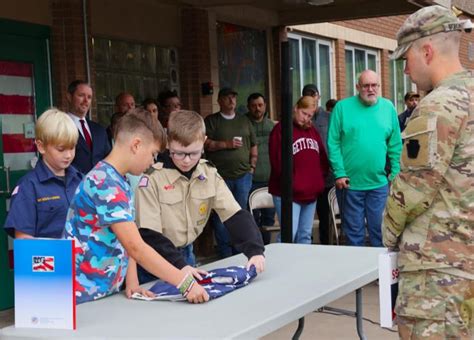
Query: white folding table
{"x": 298, "y": 280}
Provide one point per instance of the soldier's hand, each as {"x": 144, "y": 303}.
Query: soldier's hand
{"x": 197, "y": 294}
{"x": 258, "y": 261}
{"x": 342, "y": 183}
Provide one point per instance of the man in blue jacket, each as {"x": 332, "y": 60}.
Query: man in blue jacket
{"x": 93, "y": 144}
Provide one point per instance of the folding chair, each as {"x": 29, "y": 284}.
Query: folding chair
{"x": 334, "y": 231}
{"x": 260, "y": 199}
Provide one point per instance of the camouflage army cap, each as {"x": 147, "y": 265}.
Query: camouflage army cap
{"x": 424, "y": 22}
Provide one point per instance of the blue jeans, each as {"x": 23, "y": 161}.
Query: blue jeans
{"x": 240, "y": 188}
{"x": 265, "y": 216}
{"x": 359, "y": 207}
{"x": 302, "y": 223}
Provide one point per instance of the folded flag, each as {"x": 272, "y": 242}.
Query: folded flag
{"x": 217, "y": 283}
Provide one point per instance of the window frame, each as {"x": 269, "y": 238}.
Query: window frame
{"x": 318, "y": 41}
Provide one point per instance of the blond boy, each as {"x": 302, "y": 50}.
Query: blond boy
{"x": 41, "y": 199}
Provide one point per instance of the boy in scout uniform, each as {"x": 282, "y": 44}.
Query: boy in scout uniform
{"x": 176, "y": 195}
{"x": 41, "y": 199}
{"x": 429, "y": 214}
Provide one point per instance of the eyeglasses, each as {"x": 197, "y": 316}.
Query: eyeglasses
{"x": 178, "y": 155}
{"x": 368, "y": 86}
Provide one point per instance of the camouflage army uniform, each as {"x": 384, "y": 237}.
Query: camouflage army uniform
{"x": 429, "y": 213}
{"x": 430, "y": 216}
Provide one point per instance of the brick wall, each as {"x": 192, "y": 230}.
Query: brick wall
{"x": 195, "y": 60}
{"x": 340, "y": 68}
{"x": 389, "y": 26}
{"x": 67, "y": 44}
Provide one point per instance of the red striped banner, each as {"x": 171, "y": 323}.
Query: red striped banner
{"x": 18, "y": 143}
{"x": 13, "y": 68}
{"x": 13, "y": 104}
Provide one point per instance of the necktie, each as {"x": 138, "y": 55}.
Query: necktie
{"x": 86, "y": 133}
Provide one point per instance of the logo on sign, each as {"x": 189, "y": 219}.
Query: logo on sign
{"x": 42, "y": 263}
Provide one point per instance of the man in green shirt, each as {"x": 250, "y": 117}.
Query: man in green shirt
{"x": 363, "y": 133}
{"x": 232, "y": 146}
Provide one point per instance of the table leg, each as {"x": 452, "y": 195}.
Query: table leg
{"x": 299, "y": 330}
{"x": 358, "y": 313}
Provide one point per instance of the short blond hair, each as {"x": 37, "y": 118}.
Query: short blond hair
{"x": 186, "y": 127}
{"x": 140, "y": 122}
{"x": 55, "y": 127}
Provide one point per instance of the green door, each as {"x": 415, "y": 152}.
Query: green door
{"x": 25, "y": 85}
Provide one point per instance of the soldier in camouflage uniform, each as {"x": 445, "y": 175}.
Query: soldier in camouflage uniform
{"x": 429, "y": 214}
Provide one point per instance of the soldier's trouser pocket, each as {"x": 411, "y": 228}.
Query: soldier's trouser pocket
{"x": 429, "y": 306}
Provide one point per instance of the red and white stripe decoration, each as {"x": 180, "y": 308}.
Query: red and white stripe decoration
{"x": 17, "y": 107}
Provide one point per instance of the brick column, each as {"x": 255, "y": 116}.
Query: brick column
{"x": 195, "y": 60}
{"x": 385, "y": 73}
{"x": 68, "y": 47}
{"x": 340, "y": 55}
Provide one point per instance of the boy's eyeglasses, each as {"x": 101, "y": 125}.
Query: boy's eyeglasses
{"x": 178, "y": 155}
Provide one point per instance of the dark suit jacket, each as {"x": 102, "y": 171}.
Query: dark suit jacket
{"x": 85, "y": 159}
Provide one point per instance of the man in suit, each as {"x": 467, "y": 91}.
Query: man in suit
{"x": 93, "y": 144}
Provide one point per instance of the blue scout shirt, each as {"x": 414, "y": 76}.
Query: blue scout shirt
{"x": 40, "y": 202}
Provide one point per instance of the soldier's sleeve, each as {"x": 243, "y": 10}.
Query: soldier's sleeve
{"x": 429, "y": 142}
{"x": 147, "y": 204}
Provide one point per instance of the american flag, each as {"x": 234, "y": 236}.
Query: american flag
{"x": 43, "y": 263}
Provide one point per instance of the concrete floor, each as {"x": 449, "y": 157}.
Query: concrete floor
{"x": 318, "y": 326}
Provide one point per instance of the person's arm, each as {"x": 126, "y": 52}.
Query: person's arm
{"x": 323, "y": 158}
{"x": 425, "y": 162}
{"x": 394, "y": 146}
{"x": 253, "y": 158}
{"x": 243, "y": 231}
{"x": 215, "y": 145}
{"x": 246, "y": 237}
{"x": 163, "y": 246}
{"x": 127, "y": 234}
{"x": 131, "y": 281}
{"x": 21, "y": 221}
{"x": 211, "y": 143}
{"x": 20, "y": 234}
{"x": 334, "y": 143}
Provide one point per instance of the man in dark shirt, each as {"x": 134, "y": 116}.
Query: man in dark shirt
{"x": 411, "y": 101}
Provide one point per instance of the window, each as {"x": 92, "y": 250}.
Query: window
{"x": 141, "y": 69}
{"x": 400, "y": 84}
{"x": 242, "y": 56}
{"x": 357, "y": 60}
{"x": 311, "y": 63}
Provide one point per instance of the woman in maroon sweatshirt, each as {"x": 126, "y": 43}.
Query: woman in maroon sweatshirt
{"x": 310, "y": 166}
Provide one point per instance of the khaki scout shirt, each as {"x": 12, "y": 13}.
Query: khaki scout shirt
{"x": 166, "y": 201}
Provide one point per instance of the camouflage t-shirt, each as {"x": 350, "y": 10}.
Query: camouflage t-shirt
{"x": 103, "y": 198}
